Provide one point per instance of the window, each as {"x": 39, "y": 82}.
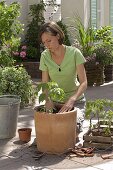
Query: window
{"x": 97, "y": 13}
{"x": 93, "y": 12}
{"x": 111, "y": 12}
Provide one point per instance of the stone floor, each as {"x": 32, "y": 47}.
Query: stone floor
{"x": 15, "y": 155}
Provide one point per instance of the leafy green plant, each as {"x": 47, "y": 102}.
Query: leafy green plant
{"x": 16, "y": 81}
{"x": 32, "y": 53}
{"x": 10, "y": 28}
{"x": 49, "y": 91}
{"x": 25, "y": 53}
{"x": 84, "y": 36}
{"x": 33, "y": 28}
{"x": 64, "y": 28}
{"x": 108, "y": 117}
{"x": 93, "y": 41}
{"x": 104, "y": 35}
{"x": 100, "y": 108}
{"x": 104, "y": 54}
{"x": 36, "y": 13}
{"x": 5, "y": 56}
{"x": 9, "y": 24}
{"x": 104, "y": 46}
{"x": 20, "y": 54}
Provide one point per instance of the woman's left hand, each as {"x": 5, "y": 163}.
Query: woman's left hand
{"x": 68, "y": 105}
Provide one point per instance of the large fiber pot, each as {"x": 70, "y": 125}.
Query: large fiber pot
{"x": 55, "y": 133}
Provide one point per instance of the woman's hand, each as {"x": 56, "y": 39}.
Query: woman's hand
{"x": 68, "y": 105}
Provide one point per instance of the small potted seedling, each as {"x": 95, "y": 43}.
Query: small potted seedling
{"x": 100, "y": 109}
{"x": 55, "y": 133}
{"x": 100, "y": 132}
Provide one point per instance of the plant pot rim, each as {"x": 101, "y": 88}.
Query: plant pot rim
{"x": 61, "y": 113}
{"x": 24, "y": 129}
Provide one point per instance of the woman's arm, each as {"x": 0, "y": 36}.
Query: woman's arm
{"x": 83, "y": 81}
{"x": 83, "y": 85}
{"x": 45, "y": 76}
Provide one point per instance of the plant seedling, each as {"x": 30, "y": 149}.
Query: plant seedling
{"x": 49, "y": 91}
{"x": 100, "y": 108}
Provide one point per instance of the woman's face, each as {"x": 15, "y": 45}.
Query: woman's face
{"x": 51, "y": 42}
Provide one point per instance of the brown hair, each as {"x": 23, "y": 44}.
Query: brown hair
{"x": 53, "y": 29}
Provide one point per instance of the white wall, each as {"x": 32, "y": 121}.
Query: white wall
{"x": 69, "y": 8}
{"x": 106, "y": 12}
{"x": 73, "y": 7}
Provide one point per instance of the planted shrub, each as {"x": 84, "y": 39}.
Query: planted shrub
{"x": 16, "y": 81}
{"x": 10, "y": 29}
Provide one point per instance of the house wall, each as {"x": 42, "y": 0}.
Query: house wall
{"x": 106, "y": 12}
{"x": 71, "y": 8}
{"x": 81, "y": 9}
{"x": 68, "y": 9}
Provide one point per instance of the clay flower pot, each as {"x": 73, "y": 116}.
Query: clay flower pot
{"x": 25, "y": 134}
{"x": 55, "y": 133}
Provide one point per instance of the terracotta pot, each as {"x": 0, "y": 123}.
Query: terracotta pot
{"x": 55, "y": 133}
{"x": 25, "y": 134}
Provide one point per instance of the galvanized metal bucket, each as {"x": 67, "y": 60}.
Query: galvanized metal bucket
{"x": 9, "y": 110}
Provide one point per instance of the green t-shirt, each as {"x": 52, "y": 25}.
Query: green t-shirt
{"x": 66, "y": 77}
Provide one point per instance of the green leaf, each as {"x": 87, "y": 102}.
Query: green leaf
{"x": 42, "y": 97}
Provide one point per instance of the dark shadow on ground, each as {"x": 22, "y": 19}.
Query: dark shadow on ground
{"x": 29, "y": 157}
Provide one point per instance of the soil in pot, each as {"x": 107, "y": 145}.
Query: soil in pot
{"x": 100, "y": 132}
{"x": 25, "y": 134}
{"x": 96, "y": 132}
{"x": 42, "y": 108}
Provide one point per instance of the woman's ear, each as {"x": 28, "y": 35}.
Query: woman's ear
{"x": 58, "y": 36}
{"x": 59, "y": 39}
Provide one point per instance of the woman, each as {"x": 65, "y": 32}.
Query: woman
{"x": 65, "y": 66}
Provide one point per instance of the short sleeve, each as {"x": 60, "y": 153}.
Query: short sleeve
{"x": 43, "y": 65}
{"x": 79, "y": 57}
